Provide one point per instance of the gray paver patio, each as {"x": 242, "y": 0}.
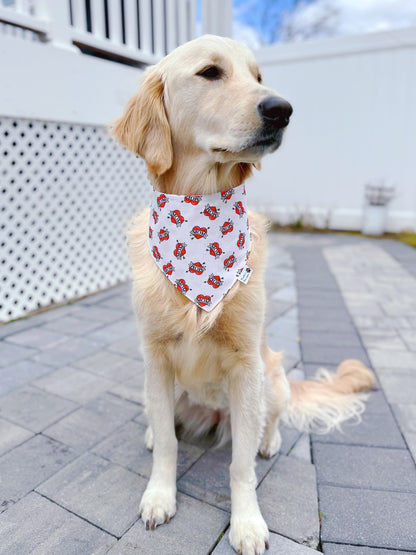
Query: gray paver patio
{"x": 73, "y": 463}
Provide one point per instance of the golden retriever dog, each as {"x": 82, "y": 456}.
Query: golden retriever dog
{"x": 201, "y": 120}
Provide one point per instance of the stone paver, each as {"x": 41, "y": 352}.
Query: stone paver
{"x": 73, "y": 464}
{"x": 23, "y": 372}
{"x": 11, "y": 435}
{"x": 288, "y": 500}
{"x": 279, "y": 545}
{"x": 36, "y": 525}
{"x": 342, "y": 549}
{"x": 103, "y": 493}
{"x": 28, "y": 465}
{"x": 367, "y": 517}
{"x": 194, "y": 529}
{"x": 88, "y": 425}
{"x": 34, "y": 409}
{"x": 73, "y": 384}
{"x": 365, "y": 467}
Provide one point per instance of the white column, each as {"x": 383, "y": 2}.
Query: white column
{"x": 57, "y": 13}
{"x": 130, "y": 24}
{"x": 79, "y": 17}
{"x": 98, "y": 19}
{"x": 159, "y": 27}
{"x": 114, "y": 17}
{"x": 182, "y": 20}
{"x": 171, "y": 25}
{"x": 192, "y": 15}
{"x": 217, "y": 17}
{"x": 145, "y": 26}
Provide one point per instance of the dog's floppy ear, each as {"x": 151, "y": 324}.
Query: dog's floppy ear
{"x": 144, "y": 126}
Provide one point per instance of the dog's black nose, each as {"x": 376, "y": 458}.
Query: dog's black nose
{"x": 275, "y": 111}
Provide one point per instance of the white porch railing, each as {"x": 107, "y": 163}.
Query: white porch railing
{"x": 141, "y": 31}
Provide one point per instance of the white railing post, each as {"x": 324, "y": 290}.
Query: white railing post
{"x": 98, "y": 18}
{"x": 192, "y": 16}
{"x": 217, "y": 17}
{"x": 114, "y": 16}
{"x": 182, "y": 20}
{"x": 159, "y": 27}
{"x": 145, "y": 26}
{"x": 130, "y": 24}
{"x": 171, "y": 42}
{"x": 79, "y": 16}
{"x": 57, "y": 13}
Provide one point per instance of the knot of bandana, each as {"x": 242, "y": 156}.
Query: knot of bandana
{"x": 200, "y": 242}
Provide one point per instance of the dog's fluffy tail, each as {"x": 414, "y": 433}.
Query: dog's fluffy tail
{"x": 322, "y": 404}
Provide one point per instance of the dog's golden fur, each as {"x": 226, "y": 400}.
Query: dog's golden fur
{"x": 196, "y": 136}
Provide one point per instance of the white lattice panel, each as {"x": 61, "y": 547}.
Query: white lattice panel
{"x": 67, "y": 194}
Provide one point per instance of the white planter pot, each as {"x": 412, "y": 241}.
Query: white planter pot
{"x": 374, "y": 221}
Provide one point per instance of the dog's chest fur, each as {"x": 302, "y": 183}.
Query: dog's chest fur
{"x": 201, "y": 362}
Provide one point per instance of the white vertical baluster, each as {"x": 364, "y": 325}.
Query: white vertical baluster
{"x": 182, "y": 21}
{"x": 225, "y": 7}
{"x": 145, "y": 26}
{"x": 206, "y": 10}
{"x": 192, "y": 19}
{"x": 79, "y": 17}
{"x": 98, "y": 19}
{"x": 114, "y": 17}
{"x": 159, "y": 27}
{"x": 171, "y": 25}
{"x": 130, "y": 24}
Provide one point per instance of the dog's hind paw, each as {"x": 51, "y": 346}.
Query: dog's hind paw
{"x": 157, "y": 507}
{"x": 249, "y": 536}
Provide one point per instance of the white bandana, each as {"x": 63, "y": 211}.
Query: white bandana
{"x": 200, "y": 242}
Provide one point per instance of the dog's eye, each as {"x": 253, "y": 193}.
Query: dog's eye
{"x": 259, "y": 79}
{"x": 212, "y": 73}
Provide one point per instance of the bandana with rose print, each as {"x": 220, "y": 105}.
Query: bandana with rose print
{"x": 200, "y": 242}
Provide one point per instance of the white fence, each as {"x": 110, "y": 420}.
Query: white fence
{"x": 68, "y": 191}
{"x": 136, "y": 30}
{"x": 354, "y": 122}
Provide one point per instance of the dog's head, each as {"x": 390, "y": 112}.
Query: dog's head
{"x": 206, "y": 97}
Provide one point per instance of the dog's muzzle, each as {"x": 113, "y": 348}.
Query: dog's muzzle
{"x": 275, "y": 112}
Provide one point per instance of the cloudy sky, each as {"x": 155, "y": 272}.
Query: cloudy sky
{"x": 258, "y": 22}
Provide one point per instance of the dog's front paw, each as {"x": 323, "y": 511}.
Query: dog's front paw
{"x": 249, "y": 535}
{"x": 157, "y": 506}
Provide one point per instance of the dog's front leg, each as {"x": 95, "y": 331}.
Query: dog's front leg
{"x": 248, "y": 534}
{"x": 158, "y": 504}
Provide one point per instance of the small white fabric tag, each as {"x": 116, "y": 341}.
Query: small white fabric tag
{"x": 244, "y": 274}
